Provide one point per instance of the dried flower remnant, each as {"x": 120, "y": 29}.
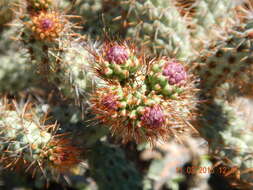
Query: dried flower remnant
{"x": 47, "y": 25}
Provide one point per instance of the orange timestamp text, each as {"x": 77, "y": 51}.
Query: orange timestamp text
{"x": 190, "y": 170}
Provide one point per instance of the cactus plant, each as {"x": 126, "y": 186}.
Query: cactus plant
{"x": 140, "y": 73}
{"x": 27, "y": 143}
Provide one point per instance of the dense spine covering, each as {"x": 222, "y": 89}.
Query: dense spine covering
{"x": 159, "y": 25}
{"x": 27, "y": 143}
{"x": 137, "y": 99}
{"x": 211, "y": 19}
{"x": 228, "y": 60}
{"x": 230, "y": 140}
{"x": 141, "y": 104}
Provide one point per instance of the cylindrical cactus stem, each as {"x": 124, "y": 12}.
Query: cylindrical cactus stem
{"x": 76, "y": 75}
{"x": 159, "y": 25}
{"x": 30, "y": 145}
{"x": 210, "y": 19}
{"x": 45, "y": 34}
{"x": 230, "y": 141}
{"x": 60, "y": 60}
{"x": 229, "y": 60}
{"x": 111, "y": 169}
{"x": 15, "y": 73}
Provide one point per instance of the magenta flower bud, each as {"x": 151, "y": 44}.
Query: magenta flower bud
{"x": 153, "y": 116}
{"x": 175, "y": 73}
{"x": 110, "y": 102}
{"x": 46, "y": 24}
{"x": 117, "y": 54}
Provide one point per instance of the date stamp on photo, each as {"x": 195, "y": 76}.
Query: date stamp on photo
{"x": 192, "y": 170}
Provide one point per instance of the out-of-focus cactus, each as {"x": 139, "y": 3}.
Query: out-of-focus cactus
{"x": 230, "y": 140}
{"x": 160, "y": 25}
{"x": 28, "y": 143}
{"x": 169, "y": 168}
{"x": 40, "y": 4}
{"x": 111, "y": 169}
{"x": 6, "y": 13}
{"x": 15, "y": 73}
{"x": 210, "y": 19}
{"x": 228, "y": 60}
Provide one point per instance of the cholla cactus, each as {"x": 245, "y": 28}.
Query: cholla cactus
{"x": 228, "y": 60}
{"x": 111, "y": 169}
{"x": 142, "y": 108}
{"x": 224, "y": 72}
{"x": 26, "y": 142}
{"x": 125, "y": 90}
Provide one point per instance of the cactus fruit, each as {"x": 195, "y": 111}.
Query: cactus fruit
{"x": 26, "y": 142}
{"x": 118, "y": 61}
{"x": 130, "y": 114}
{"x": 167, "y": 77}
